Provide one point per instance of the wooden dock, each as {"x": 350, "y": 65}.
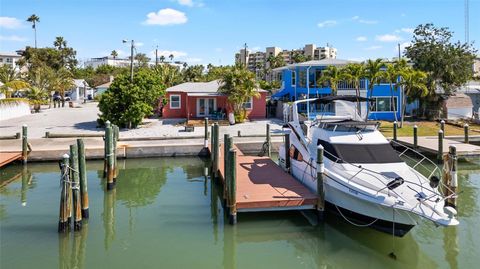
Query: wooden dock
{"x": 8, "y": 157}
{"x": 429, "y": 144}
{"x": 262, "y": 185}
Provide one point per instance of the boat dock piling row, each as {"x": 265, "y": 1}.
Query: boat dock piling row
{"x": 74, "y": 194}
{"x": 257, "y": 184}
{"x": 112, "y": 134}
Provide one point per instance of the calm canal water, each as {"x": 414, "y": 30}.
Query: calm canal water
{"x": 165, "y": 214}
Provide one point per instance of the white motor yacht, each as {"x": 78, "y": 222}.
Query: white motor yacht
{"x": 366, "y": 180}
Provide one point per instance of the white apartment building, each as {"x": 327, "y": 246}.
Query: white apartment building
{"x": 9, "y": 59}
{"x": 107, "y": 60}
{"x": 257, "y": 60}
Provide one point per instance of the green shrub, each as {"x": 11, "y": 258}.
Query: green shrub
{"x": 126, "y": 104}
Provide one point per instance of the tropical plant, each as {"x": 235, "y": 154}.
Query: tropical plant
{"x": 168, "y": 75}
{"x": 60, "y": 43}
{"x": 126, "y": 103}
{"x": 11, "y": 81}
{"x": 193, "y": 73}
{"x": 414, "y": 86}
{"x": 114, "y": 54}
{"x": 331, "y": 76}
{"x": 162, "y": 58}
{"x": 36, "y": 96}
{"x": 62, "y": 81}
{"x": 171, "y": 57}
{"x": 34, "y": 19}
{"x": 374, "y": 72}
{"x": 239, "y": 85}
{"x": 142, "y": 59}
{"x": 353, "y": 73}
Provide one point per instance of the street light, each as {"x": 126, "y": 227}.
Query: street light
{"x": 131, "y": 57}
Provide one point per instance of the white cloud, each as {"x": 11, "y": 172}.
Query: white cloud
{"x": 407, "y": 30}
{"x": 368, "y": 21}
{"x": 166, "y": 53}
{"x": 166, "y": 16}
{"x": 10, "y": 23}
{"x": 355, "y": 18}
{"x": 193, "y": 60}
{"x": 139, "y": 44}
{"x": 14, "y": 38}
{"x": 190, "y": 3}
{"x": 388, "y": 38}
{"x": 361, "y": 38}
{"x": 373, "y": 47}
{"x": 327, "y": 23}
{"x": 218, "y": 49}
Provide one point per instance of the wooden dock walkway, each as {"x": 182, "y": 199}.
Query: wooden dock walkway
{"x": 429, "y": 144}
{"x": 262, "y": 185}
{"x": 8, "y": 157}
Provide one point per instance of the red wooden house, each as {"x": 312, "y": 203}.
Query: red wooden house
{"x": 192, "y": 100}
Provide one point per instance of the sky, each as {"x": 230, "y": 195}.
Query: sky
{"x": 211, "y": 31}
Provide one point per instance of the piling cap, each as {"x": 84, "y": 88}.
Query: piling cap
{"x": 440, "y": 131}
{"x": 442, "y": 121}
{"x": 415, "y": 126}
{"x": 24, "y": 125}
{"x": 320, "y": 147}
{"x": 465, "y": 125}
{"x": 66, "y": 156}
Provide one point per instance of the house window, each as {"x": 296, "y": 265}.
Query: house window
{"x": 175, "y": 101}
{"x": 9, "y": 60}
{"x": 248, "y": 104}
{"x": 294, "y": 78}
{"x": 383, "y": 104}
{"x": 303, "y": 79}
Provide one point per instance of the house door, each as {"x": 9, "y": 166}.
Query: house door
{"x": 206, "y": 106}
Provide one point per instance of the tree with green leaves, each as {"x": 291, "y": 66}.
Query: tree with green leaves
{"x": 55, "y": 58}
{"x": 193, "y": 73}
{"x": 126, "y": 103}
{"x": 142, "y": 60}
{"x": 448, "y": 64}
{"x": 162, "y": 58}
{"x": 392, "y": 75}
{"x": 171, "y": 57}
{"x": 353, "y": 73}
{"x": 60, "y": 43}
{"x": 11, "y": 80}
{"x": 374, "y": 72}
{"x": 34, "y": 19}
{"x": 239, "y": 85}
{"x": 331, "y": 76}
{"x": 169, "y": 75}
{"x": 299, "y": 57}
{"x": 414, "y": 87}
{"x": 114, "y": 54}
{"x": 62, "y": 82}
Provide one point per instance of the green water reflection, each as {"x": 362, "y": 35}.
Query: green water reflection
{"x": 164, "y": 213}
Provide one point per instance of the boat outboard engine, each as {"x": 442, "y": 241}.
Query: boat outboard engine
{"x": 434, "y": 181}
{"x": 395, "y": 183}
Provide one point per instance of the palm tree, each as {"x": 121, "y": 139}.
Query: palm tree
{"x": 332, "y": 76}
{"x": 353, "y": 73}
{"x": 114, "y": 54}
{"x": 171, "y": 57}
{"x": 393, "y": 75}
{"x": 36, "y": 96}
{"x": 60, "y": 42}
{"x": 34, "y": 19}
{"x": 239, "y": 84}
{"x": 162, "y": 58}
{"x": 62, "y": 82}
{"x": 11, "y": 81}
{"x": 414, "y": 85}
{"x": 374, "y": 72}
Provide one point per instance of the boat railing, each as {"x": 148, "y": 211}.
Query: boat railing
{"x": 385, "y": 180}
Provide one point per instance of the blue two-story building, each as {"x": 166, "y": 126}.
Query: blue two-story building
{"x": 301, "y": 80}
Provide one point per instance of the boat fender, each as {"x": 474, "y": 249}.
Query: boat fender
{"x": 453, "y": 181}
{"x": 389, "y": 200}
{"x": 434, "y": 181}
{"x": 450, "y": 211}
{"x": 395, "y": 183}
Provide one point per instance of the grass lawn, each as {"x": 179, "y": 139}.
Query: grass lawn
{"x": 425, "y": 128}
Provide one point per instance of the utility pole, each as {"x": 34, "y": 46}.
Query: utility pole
{"x": 156, "y": 56}
{"x": 467, "y": 22}
{"x": 245, "y": 55}
{"x": 399, "y": 53}
{"x": 131, "y": 57}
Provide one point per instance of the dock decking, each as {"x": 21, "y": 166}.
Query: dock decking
{"x": 430, "y": 145}
{"x": 262, "y": 185}
{"x": 8, "y": 157}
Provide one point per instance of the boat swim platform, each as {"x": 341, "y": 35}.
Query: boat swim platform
{"x": 429, "y": 144}
{"x": 8, "y": 157}
{"x": 262, "y": 185}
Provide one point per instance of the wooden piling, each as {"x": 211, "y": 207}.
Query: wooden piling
{"x": 110, "y": 158}
{"x": 232, "y": 188}
{"x": 116, "y": 134}
{"x": 287, "y": 152}
{"x": 82, "y": 168}
{"x": 215, "y": 150}
{"x": 452, "y": 183}
{"x": 205, "y": 143}
{"x": 25, "y": 179}
{"x": 442, "y": 127}
{"x": 227, "y": 145}
{"x": 239, "y": 133}
{"x": 395, "y": 127}
{"x": 24, "y": 144}
{"x": 17, "y": 135}
{"x": 465, "y": 133}
{"x": 212, "y": 137}
{"x": 105, "y": 149}
{"x": 440, "y": 146}
{"x": 63, "y": 218}
{"x": 415, "y": 136}
{"x": 77, "y": 204}
{"x": 269, "y": 141}
{"x": 320, "y": 187}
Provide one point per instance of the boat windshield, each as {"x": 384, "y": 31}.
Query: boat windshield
{"x": 337, "y": 110}
{"x": 360, "y": 153}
